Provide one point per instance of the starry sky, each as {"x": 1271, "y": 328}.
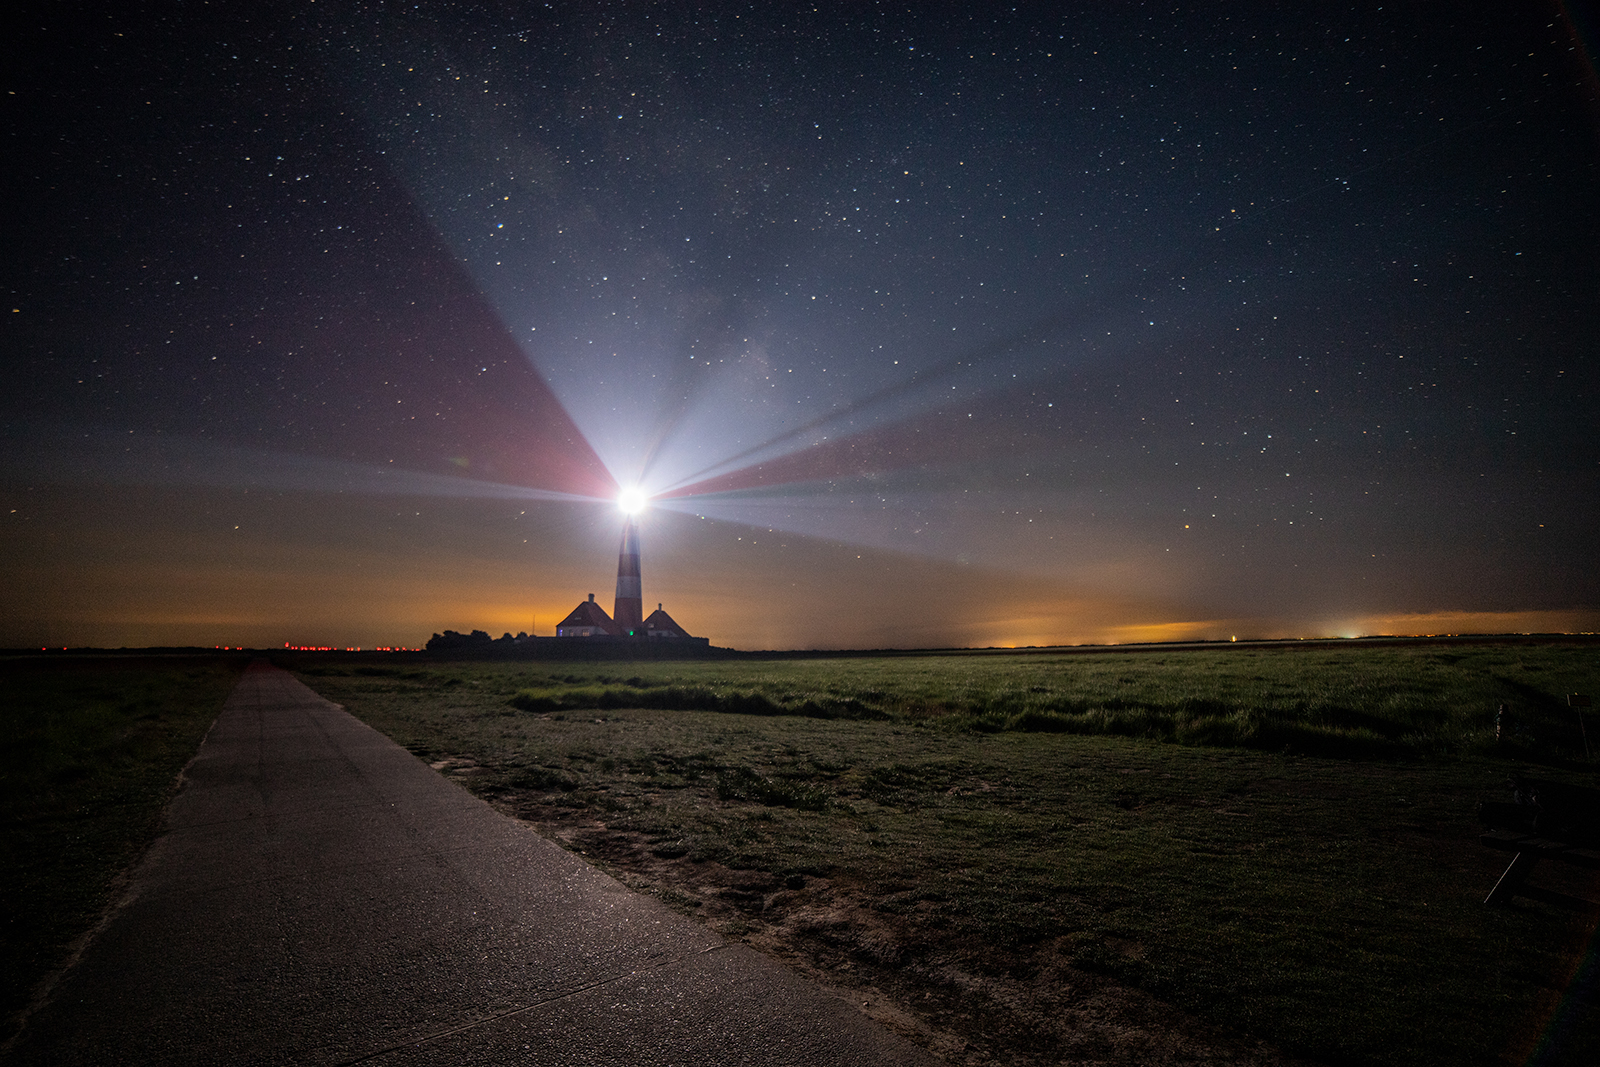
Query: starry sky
{"x": 922, "y": 325}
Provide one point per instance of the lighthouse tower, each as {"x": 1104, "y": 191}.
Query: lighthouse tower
{"x": 629, "y": 611}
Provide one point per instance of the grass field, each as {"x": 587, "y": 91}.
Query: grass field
{"x": 1276, "y": 843}
{"x": 92, "y": 746}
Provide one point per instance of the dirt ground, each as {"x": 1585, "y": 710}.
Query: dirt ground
{"x": 969, "y": 1004}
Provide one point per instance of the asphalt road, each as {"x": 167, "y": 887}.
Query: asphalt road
{"x": 320, "y": 896}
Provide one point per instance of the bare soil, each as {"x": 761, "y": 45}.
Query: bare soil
{"x": 967, "y": 1003}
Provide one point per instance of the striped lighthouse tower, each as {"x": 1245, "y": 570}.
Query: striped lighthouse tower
{"x": 629, "y": 613}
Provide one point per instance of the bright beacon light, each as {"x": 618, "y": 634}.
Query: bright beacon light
{"x": 631, "y": 501}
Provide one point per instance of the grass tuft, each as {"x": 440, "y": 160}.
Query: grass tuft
{"x": 743, "y": 783}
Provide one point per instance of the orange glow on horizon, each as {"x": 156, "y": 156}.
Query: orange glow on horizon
{"x": 1157, "y": 632}
{"x": 1417, "y": 624}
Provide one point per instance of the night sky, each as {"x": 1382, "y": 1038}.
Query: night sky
{"x": 923, "y": 325}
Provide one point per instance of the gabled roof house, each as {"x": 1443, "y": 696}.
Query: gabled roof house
{"x": 660, "y": 624}
{"x": 588, "y": 619}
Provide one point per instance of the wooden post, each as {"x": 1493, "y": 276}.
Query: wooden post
{"x": 1511, "y": 881}
{"x": 1579, "y": 701}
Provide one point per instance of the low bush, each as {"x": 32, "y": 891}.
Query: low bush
{"x": 673, "y": 697}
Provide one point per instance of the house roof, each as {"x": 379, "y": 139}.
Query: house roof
{"x": 589, "y": 613}
{"x": 660, "y": 620}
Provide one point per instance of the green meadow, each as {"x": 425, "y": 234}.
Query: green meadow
{"x": 90, "y": 751}
{"x": 1271, "y": 844}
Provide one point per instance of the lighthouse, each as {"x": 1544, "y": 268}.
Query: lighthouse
{"x": 629, "y": 612}
{"x": 657, "y": 633}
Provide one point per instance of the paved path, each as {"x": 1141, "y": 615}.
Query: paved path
{"x": 320, "y": 896}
